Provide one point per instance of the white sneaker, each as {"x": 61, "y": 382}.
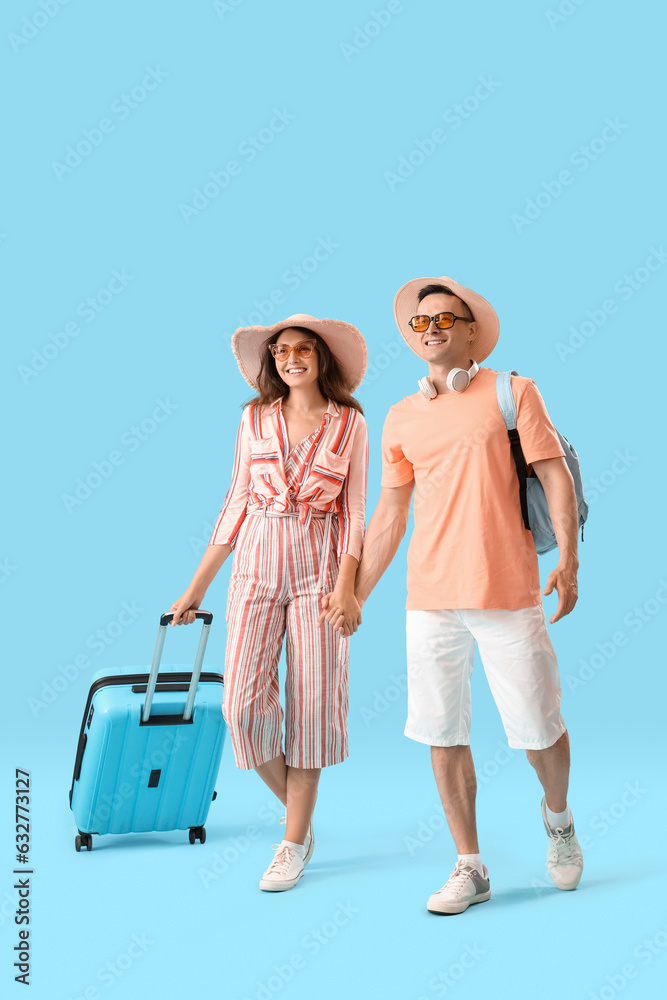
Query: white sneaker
{"x": 464, "y": 886}
{"x": 565, "y": 863}
{"x": 284, "y": 871}
{"x": 309, "y": 842}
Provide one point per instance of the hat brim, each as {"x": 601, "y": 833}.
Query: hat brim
{"x": 344, "y": 341}
{"x": 406, "y": 306}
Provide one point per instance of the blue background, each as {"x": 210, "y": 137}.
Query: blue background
{"x": 355, "y": 98}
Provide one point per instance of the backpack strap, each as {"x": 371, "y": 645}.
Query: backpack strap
{"x": 508, "y": 409}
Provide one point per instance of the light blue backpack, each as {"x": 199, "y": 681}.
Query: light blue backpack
{"x": 534, "y": 506}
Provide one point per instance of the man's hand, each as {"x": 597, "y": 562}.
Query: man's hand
{"x": 564, "y": 579}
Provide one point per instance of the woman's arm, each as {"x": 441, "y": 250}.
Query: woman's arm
{"x": 233, "y": 511}
{"x": 353, "y": 500}
{"x": 341, "y": 609}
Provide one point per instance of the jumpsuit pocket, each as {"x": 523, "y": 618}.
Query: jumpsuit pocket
{"x": 264, "y": 454}
{"x": 341, "y": 653}
{"x": 327, "y": 475}
{"x": 266, "y": 470}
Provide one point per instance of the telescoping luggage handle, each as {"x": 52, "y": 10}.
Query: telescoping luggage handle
{"x": 207, "y": 618}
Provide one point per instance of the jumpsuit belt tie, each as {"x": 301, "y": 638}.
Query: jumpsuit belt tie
{"x": 264, "y": 511}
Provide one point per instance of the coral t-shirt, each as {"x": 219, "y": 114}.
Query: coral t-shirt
{"x": 469, "y": 547}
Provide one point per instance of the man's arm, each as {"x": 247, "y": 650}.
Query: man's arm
{"x": 558, "y": 485}
{"x": 383, "y": 536}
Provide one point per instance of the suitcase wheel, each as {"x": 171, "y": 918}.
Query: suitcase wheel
{"x": 83, "y": 840}
{"x": 197, "y": 833}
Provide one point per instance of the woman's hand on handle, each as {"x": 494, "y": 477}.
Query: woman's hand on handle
{"x": 185, "y": 607}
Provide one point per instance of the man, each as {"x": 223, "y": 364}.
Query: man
{"x": 472, "y": 569}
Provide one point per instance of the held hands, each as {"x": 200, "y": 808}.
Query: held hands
{"x": 564, "y": 579}
{"x": 342, "y": 610}
{"x": 184, "y": 608}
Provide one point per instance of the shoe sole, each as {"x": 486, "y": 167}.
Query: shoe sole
{"x": 270, "y": 886}
{"x": 453, "y": 908}
{"x": 566, "y": 887}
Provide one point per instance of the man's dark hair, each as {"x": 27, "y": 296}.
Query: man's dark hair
{"x": 441, "y": 290}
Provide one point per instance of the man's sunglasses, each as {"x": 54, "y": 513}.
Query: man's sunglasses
{"x": 303, "y": 349}
{"x": 443, "y": 321}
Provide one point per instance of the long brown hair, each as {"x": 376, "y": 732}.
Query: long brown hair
{"x": 330, "y": 378}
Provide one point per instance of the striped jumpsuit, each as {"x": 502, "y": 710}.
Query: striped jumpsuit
{"x": 289, "y": 516}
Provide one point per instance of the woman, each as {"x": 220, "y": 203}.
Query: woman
{"x": 295, "y": 515}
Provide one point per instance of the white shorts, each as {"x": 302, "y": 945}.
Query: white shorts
{"x": 520, "y": 665}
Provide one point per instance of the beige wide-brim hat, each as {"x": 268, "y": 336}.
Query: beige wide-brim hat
{"x": 343, "y": 340}
{"x": 406, "y": 306}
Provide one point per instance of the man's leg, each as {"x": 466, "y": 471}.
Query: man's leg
{"x": 440, "y": 657}
{"x": 457, "y": 785}
{"x": 440, "y": 653}
{"x": 552, "y": 766}
{"x": 522, "y": 670}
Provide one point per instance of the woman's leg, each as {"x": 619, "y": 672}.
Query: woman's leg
{"x": 255, "y": 631}
{"x": 301, "y": 794}
{"x": 274, "y": 774}
{"x": 296, "y": 787}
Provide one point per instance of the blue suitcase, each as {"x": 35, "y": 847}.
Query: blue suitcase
{"x": 145, "y": 760}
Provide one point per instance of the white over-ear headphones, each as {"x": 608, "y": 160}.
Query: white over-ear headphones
{"x": 458, "y": 379}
